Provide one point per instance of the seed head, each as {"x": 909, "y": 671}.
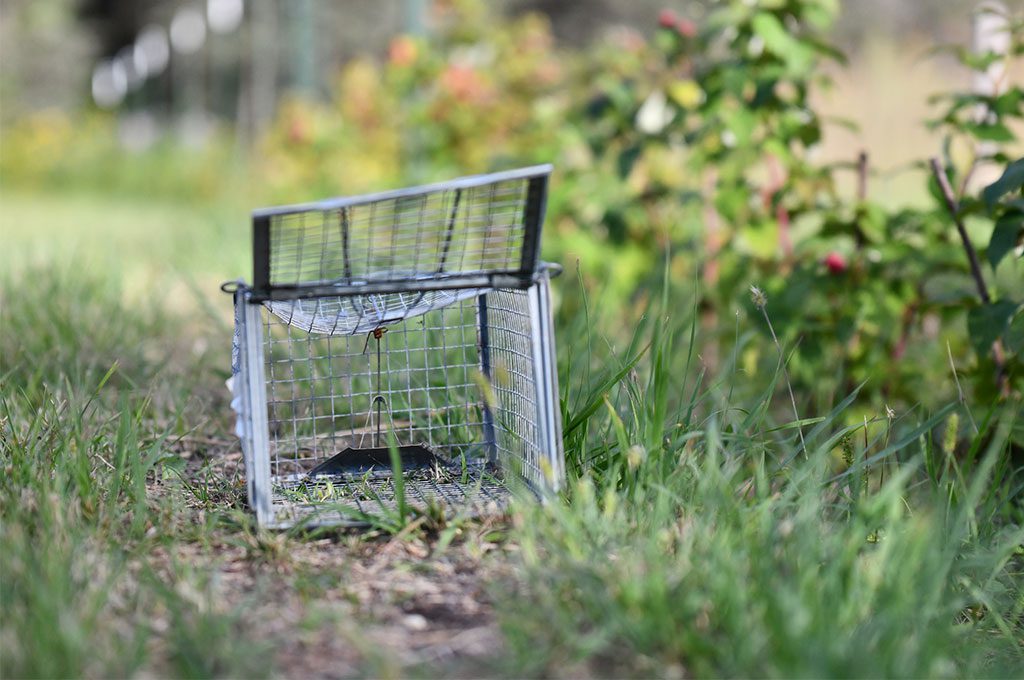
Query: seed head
{"x": 758, "y": 297}
{"x": 635, "y": 456}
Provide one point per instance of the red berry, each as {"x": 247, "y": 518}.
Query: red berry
{"x": 686, "y": 28}
{"x": 835, "y": 262}
{"x": 667, "y": 18}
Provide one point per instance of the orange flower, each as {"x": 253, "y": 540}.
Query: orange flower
{"x": 402, "y": 51}
{"x": 464, "y": 83}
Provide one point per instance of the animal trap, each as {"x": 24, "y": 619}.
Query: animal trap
{"x": 406, "y": 332}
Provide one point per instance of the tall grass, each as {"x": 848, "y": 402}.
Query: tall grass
{"x": 700, "y": 538}
{"x": 81, "y": 443}
{"x": 697, "y": 536}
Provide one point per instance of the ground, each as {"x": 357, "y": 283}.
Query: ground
{"x": 329, "y": 604}
{"x": 704, "y": 538}
{"x": 338, "y": 604}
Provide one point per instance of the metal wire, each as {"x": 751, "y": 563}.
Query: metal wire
{"x": 451, "y": 231}
{"x": 463, "y": 373}
{"x": 513, "y": 381}
{"x": 422, "y": 382}
{"x": 326, "y": 393}
{"x": 359, "y": 314}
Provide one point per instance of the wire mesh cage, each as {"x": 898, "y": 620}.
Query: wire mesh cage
{"x": 396, "y": 350}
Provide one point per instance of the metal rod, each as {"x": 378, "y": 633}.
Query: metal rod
{"x": 379, "y": 398}
{"x": 485, "y": 368}
{"x": 451, "y": 230}
{"x": 460, "y": 183}
{"x": 509, "y": 280}
{"x": 344, "y": 245}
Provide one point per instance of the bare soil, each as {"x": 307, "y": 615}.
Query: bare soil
{"x": 341, "y": 604}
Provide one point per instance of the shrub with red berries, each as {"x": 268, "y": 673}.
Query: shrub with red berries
{"x": 835, "y": 263}
{"x": 682, "y": 26}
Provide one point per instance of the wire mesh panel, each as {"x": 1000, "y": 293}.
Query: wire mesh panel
{"x": 420, "y": 382}
{"x": 397, "y": 350}
{"x": 339, "y": 315}
{"x": 514, "y": 381}
{"x": 451, "y": 231}
{"x": 480, "y": 229}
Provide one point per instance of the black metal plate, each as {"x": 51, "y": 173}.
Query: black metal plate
{"x": 360, "y": 461}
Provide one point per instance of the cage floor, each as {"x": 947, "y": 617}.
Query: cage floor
{"x": 359, "y": 500}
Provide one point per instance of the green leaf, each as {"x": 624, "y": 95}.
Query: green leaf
{"x": 1012, "y": 180}
{"x": 828, "y": 50}
{"x": 741, "y": 122}
{"x": 778, "y": 41}
{"x": 1015, "y": 336}
{"x": 1007, "y": 233}
{"x": 949, "y": 288}
{"x": 627, "y": 159}
{"x": 760, "y": 239}
{"x": 978, "y": 61}
{"x": 821, "y": 14}
{"x": 986, "y": 323}
{"x": 899, "y": 445}
{"x": 990, "y": 132}
{"x": 597, "y": 395}
{"x": 1008, "y": 103}
{"x": 872, "y": 223}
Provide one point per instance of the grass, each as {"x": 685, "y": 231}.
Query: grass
{"x": 712, "y": 557}
{"x": 697, "y": 536}
{"x": 702, "y": 538}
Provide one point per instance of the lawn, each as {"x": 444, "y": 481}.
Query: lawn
{"x": 128, "y": 548}
{"x": 697, "y": 537}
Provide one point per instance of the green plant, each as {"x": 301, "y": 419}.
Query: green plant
{"x": 979, "y": 124}
{"x": 731, "y": 547}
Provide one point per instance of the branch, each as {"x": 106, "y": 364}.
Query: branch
{"x": 952, "y": 205}
{"x": 954, "y": 212}
{"x": 862, "y": 176}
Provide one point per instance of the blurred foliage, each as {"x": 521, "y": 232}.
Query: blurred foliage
{"x": 51, "y": 150}
{"x": 691, "y": 151}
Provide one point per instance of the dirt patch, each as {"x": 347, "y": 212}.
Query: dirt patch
{"x": 350, "y": 603}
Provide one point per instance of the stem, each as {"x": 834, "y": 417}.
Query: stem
{"x": 907, "y": 325}
{"x": 785, "y": 374}
{"x": 862, "y": 176}
{"x": 952, "y": 205}
{"x": 862, "y": 196}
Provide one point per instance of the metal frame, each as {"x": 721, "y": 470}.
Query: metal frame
{"x": 253, "y": 394}
{"x": 483, "y": 329}
{"x": 518, "y": 425}
{"x": 533, "y": 217}
{"x": 460, "y": 282}
{"x": 549, "y": 408}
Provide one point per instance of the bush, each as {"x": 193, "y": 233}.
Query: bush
{"x": 687, "y": 156}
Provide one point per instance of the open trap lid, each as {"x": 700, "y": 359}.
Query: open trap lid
{"x": 349, "y": 265}
{"x": 358, "y": 314}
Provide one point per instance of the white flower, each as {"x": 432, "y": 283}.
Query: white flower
{"x": 654, "y": 114}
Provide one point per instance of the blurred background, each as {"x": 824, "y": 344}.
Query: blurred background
{"x": 189, "y": 70}
{"x": 712, "y": 144}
